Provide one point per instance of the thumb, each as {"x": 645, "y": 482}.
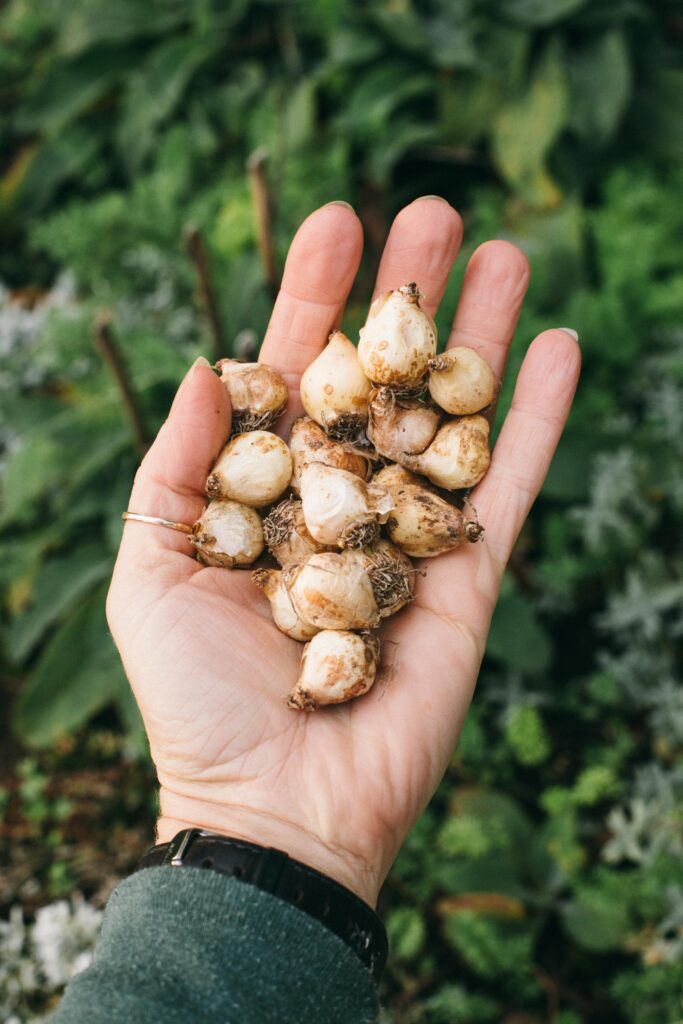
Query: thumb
{"x": 170, "y": 481}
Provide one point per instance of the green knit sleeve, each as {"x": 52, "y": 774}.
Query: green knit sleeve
{"x": 186, "y": 945}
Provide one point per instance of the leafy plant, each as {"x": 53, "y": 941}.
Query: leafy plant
{"x": 544, "y": 881}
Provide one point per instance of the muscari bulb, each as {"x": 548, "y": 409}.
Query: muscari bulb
{"x": 331, "y": 592}
{"x": 391, "y": 573}
{"x": 228, "y": 535}
{"x": 335, "y": 666}
{"x": 398, "y": 340}
{"x": 308, "y": 442}
{"x": 253, "y": 468}
{"x": 334, "y": 389}
{"x": 270, "y": 581}
{"x": 258, "y": 394}
{"x": 421, "y": 523}
{"x": 459, "y": 455}
{"x": 461, "y": 382}
{"x": 286, "y": 534}
{"x": 339, "y": 508}
{"x": 400, "y": 427}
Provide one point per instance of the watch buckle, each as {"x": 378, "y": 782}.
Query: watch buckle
{"x": 179, "y": 846}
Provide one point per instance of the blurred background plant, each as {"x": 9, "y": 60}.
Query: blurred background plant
{"x": 157, "y": 160}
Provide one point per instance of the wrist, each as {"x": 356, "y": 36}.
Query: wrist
{"x": 265, "y": 830}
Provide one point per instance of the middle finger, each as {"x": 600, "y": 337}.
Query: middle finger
{"x": 421, "y": 247}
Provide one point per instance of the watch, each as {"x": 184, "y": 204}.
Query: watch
{"x": 274, "y": 871}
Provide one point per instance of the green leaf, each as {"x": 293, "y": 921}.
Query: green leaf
{"x": 527, "y": 127}
{"x": 404, "y": 137}
{"x": 537, "y": 13}
{"x": 600, "y": 83}
{"x": 658, "y": 114}
{"x": 67, "y": 90}
{"x": 517, "y": 638}
{"x": 570, "y": 471}
{"x": 378, "y": 94}
{"x": 86, "y": 26}
{"x": 59, "y": 159}
{"x": 61, "y": 583}
{"x": 153, "y": 92}
{"x": 468, "y": 104}
{"x": 597, "y": 922}
{"x": 78, "y": 673}
{"x": 406, "y": 932}
{"x": 32, "y": 470}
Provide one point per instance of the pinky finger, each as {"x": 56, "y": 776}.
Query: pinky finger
{"x": 529, "y": 436}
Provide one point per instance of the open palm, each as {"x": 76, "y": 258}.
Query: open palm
{"x": 340, "y": 788}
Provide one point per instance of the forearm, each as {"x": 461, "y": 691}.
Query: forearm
{"x": 194, "y": 945}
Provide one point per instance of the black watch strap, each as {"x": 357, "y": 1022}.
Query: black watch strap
{"x": 275, "y": 872}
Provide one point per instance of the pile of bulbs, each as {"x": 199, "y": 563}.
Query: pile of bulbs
{"x": 355, "y": 494}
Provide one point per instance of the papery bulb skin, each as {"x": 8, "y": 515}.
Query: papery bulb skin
{"x": 258, "y": 394}
{"x": 286, "y": 534}
{"x": 253, "y": 468}
{"x": 308, "y": 442}
{"x": 422, "y": 524}
{"x": 338, "y": 507}
{"x": 335, "y": 667}
{"x": 401, "y": 427}
{"x": 391, "y": 573}
{"x": 398, "y": 340}
{"x": 461, "y": 382}
{"x": 270, "y": 581}
{"x": 228, "y": 535}
{"x": 459, "y": 455}
{"x": 331, "y": 592}
{"x": 334, "y": 389}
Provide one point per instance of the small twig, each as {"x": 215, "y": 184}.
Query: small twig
{"x": 104, "y": 339}
{"x": 196, "y": 250}
{"x": 261, "y": 198}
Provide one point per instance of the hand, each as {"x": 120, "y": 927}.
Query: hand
{"x": 338, "y": 788}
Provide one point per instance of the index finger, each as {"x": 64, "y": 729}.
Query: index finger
{"x": 321, "y": 265}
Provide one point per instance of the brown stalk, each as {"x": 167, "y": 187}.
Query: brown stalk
{"x": 114, "y": 361}
{"x": 196, "y": 250}
{"x": 262, "y": 201}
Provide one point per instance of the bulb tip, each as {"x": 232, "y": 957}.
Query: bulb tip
{"x": 474, "y": 531}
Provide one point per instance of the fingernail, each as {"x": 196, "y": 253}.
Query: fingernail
{"x": 440, "y": 199}
{"x": 201, "y": 361}
{"x": 341, "y": 202}
{"x": 570, "y": 331}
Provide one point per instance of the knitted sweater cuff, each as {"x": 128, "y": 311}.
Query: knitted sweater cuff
{"x": 196, "y": 945}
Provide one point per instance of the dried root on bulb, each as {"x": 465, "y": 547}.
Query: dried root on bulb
{"x": 228, "y": 535}
{"x": 397, "y": 341}
{"x": 335, "y": 666}
{"x": 254, "y": 469}
{"x": 286, "y": 534}
{"x": 339, "y": 508}
{"x": 331, "y": 592}
{"x": 334, "y": 390}
{"x": 461, "y": 382}
{"x": 421, "y": 523}
{"x": 308, "y": 443}
{"x": 258, "y": 394}
{"x": 459, "y": 455}
{"x": 271, "y": 582}
{"x": 391, "y": 573}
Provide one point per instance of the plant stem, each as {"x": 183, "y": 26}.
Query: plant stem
{"x": 194, "y": 244}
{"x": 262, "y": 200}
{"x": 112, "y": 357}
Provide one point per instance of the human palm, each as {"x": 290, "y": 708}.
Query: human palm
{"x": 339, "y": 788}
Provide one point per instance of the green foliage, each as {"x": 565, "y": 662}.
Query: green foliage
{"x": 550, "y": 858}
{"x": 526, "y": 734}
